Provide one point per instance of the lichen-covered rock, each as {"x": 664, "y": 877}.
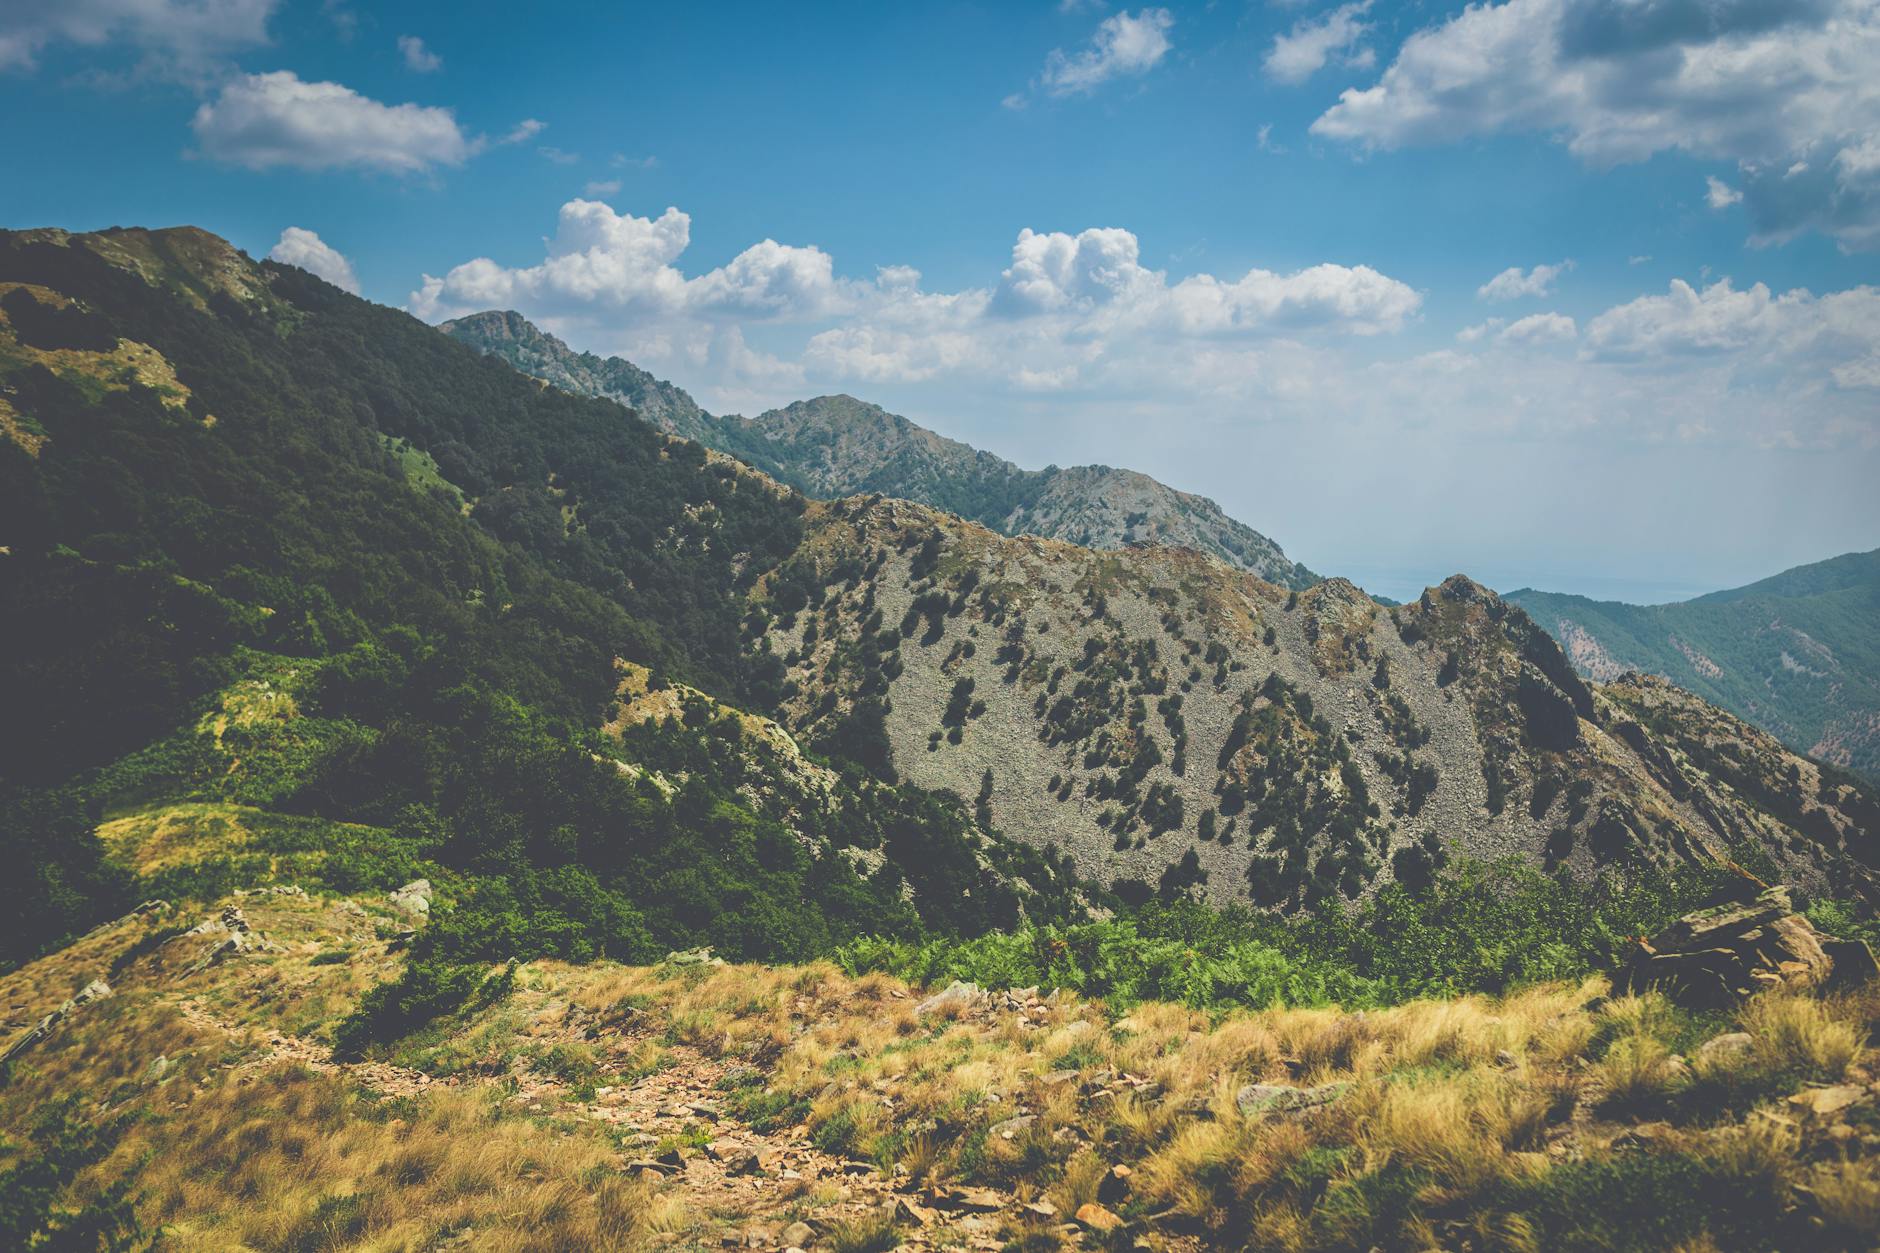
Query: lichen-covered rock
{"x": 414, "y": 898}
{"x": 1279, "y": 1098}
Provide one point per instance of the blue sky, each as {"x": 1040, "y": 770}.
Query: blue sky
{"x": 1572, "y": 293}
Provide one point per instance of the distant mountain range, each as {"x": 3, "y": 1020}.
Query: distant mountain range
{"x": 1796, "y": 653}
{"x": 836, "y": 446}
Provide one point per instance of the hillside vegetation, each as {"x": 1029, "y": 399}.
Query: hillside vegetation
{"x": 1796, "y": 654}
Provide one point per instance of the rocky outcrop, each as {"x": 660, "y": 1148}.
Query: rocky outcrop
{"x": 1718, "y": 956}
{"x": 96, "y": 990}
{"x": 957, "y": 998}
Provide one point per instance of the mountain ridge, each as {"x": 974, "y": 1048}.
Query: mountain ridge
{"x": 838, "y": 445}
{"x": 1794, "y": 653}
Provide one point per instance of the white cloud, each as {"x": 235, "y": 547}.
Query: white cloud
{"x": 307, "y": 250}
{"x": 418, "y": 58}
{"x": 1539, "y": 328}
{"x": 600, "y": 259}
{"x": 603, "y": 187}
{"x": 1753, "y": 330}
{"x": 266, "y": 120}
{"x": 1067, "y": 312}
{"x": 559, "y": 156}
{"x": 1761, "y": 83}
{"x": 179, "y": 37}
{"x": 1124, "y": 44}
{"x": 1719, "y": 194}
{"x": 1304, "y": 50}
{"x": 1080, "y": 327}
{"x": 528, "y": 128}
{"x": 1513, "y": 284}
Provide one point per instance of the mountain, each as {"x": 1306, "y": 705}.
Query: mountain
{"x": 277, "y": 561}
{"x": 441, "y": 809}
{"x": 840, "y": 446}
{"x": 1796, "y": 654}
{"x": 1167, "y": 720}
{"x": 300, "y": 553}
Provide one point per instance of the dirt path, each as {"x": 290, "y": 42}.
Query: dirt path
{"x": 736, "y": 1187}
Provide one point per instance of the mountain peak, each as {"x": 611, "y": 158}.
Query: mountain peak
{"x": 840, "y": 445}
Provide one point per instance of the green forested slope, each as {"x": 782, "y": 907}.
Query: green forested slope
{"x": 1797, "y": 653}
{"x": 219, "y": 585}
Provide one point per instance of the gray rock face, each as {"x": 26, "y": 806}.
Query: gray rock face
{"x": 1730, "y": 1044}
{"x": 1153, "y": 713}
{"x": 414, "y": 898}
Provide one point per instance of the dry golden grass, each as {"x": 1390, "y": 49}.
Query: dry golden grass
{"x": 1451, "y": 1106}
{"x": 1787, "y": 1029}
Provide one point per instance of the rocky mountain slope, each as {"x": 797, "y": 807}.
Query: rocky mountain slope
{"x": 1796, "y": 654}
{"x": 216, "y": 535}
{"x": 1170, "y": 722}
{"x": 840, "y": 446}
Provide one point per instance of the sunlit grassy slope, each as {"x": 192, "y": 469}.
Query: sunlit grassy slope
{"x": 691, "y": 1105}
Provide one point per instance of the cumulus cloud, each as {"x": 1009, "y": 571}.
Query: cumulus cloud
{"x": 1125, "y": 44}
{"x": 301, "y": 247}
{"x": 1751, "y": 328}
{"x": 418, "y": 58}
{"x": 1770, "y": 87}
{"x": 1513, "y": 283}
{"x": 600, "y": 259}
{"x": 1304, "y": 50}
{"x": 1540, "y": 328}
{"x": 1719, "y": 194}
{"x": 180, "y": 37}
{"x": 263, "y": 121}
{"x": 1067, "y": 311}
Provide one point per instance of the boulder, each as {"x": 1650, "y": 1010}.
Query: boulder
{"x": 1716, "y": 957}
{"x": 414, "y": 898}
{"x": 958, "y": 996}
{"x": 1011, "y": 1128}
{"x": 694, "y": 957}
{"x": 1731, "y": 1044}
